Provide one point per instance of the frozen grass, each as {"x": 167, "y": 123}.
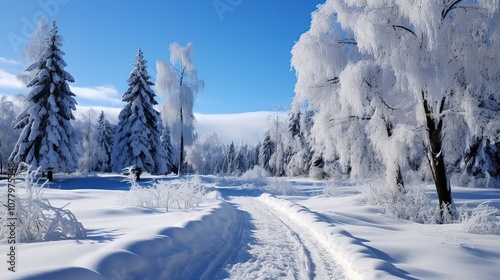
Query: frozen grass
{"x": 416, "y": 206}
{"x": 172, "y": 194}
{"x": 37, "y": 219}
{"x": 483, "y": 219}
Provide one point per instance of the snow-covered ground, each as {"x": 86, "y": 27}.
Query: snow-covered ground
{"x": 249, "y": 234}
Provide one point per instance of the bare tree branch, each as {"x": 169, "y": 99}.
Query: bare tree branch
{"x": 446, "y": 10}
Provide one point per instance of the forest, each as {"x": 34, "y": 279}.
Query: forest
{"x": 400, "y": 93}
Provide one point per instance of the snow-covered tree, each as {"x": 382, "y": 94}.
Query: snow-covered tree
{"x": 87, "y": 145}
{"x": 47, "y": 138}
{"x": 104, "y": 138}
{"x": 241, "y": 160}
{"x": 8, "y": 135}
{"x": 137, "y": 136}
{"x": 229, "y": 161}
{"x": 299, "y": 153}
{"x": 444, "y": 55}
{"x": 267, "y": 149}
{"x": 206, "y": 155}
{"x": 319, "y": 57}
{"x": 178, "y": 80}
{"x": 166, "y": 142}
{"x": 378, "y": 72}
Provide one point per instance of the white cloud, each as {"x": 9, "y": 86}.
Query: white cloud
{"x": 7, "y": 61}
{"x": 106, "y": 93}
{"x": 248, "y": 127}
{"x": 9, "y": 81}
{"x": 111, "y": 113}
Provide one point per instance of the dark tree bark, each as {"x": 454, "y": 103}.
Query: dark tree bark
{"x": 436, "y": 157}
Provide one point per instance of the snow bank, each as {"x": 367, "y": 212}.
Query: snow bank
{"x": 357, "y": 259}
{"x": 194, "y": 249}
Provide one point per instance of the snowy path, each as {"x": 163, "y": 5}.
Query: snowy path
{"x": 273, "y": 246}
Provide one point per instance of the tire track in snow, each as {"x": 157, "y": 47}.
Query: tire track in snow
{"x": 276, "y": 247}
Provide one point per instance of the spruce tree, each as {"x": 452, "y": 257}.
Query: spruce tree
{"x": 137, "y": 137}
{"x": 229, "y": 162}
{"x": 105, "y": 134}
{"x": 266, "y": 151}
{"x": 47, "y": 139}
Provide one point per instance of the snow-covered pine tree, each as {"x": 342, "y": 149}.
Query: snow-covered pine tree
{"x": 137, "y": 136}
{"x": 104, "y": 136}
{"x": 241, "y": 160}
{"x": 267, "y": 149}
{"x": 47, "y": 139}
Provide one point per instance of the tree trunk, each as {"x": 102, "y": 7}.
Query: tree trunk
{"x": 399, "y": 177}
{"x": 436, "y": 159}
{"x": 181, "y": 151}
{"x": 399, "y": 181}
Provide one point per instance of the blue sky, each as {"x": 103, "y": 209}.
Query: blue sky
{"x": 242, "y": 46}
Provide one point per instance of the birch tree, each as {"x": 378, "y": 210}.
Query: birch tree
{"x": 178, "y": 81}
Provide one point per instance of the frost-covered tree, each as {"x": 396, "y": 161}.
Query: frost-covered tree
{"x": 137, "y": 136}
{"x": 376, "y": 73}
{"x": 206, "y": 155}
{"x": 34, "y": 49}
{"x": 104, "y": 144}
{"x": 319, "y": 57}
{"x": 445, "y": 55}
{"x": 178, "y": 80}
{"x": 279, "y": 135}
{"x": 300, "y": 154}
{"x": 87, "y": 145}
{"x": 47, "y": 139}
{"x": 8, "y": 136}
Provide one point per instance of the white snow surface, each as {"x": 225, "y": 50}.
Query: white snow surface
{"x": 249, "y": 234}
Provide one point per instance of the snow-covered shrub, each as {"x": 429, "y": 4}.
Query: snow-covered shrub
{"x": 257, "y": 175}
{"x": 37, "y": 219}
{"x": 483, "y": 219}
{"x": 280, "y": 186}
{"x": 178, "y": 194}
{"x": 413, "y": 205}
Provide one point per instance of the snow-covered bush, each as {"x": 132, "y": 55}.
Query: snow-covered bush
{"x": 37, "y": 219}
{"x": 413, "y": 205}
{"x": 280, "y": 186}
{"x": 257, "y": 175}
{"x": 178, "y": 194}
{"x": 483, "y": 219}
